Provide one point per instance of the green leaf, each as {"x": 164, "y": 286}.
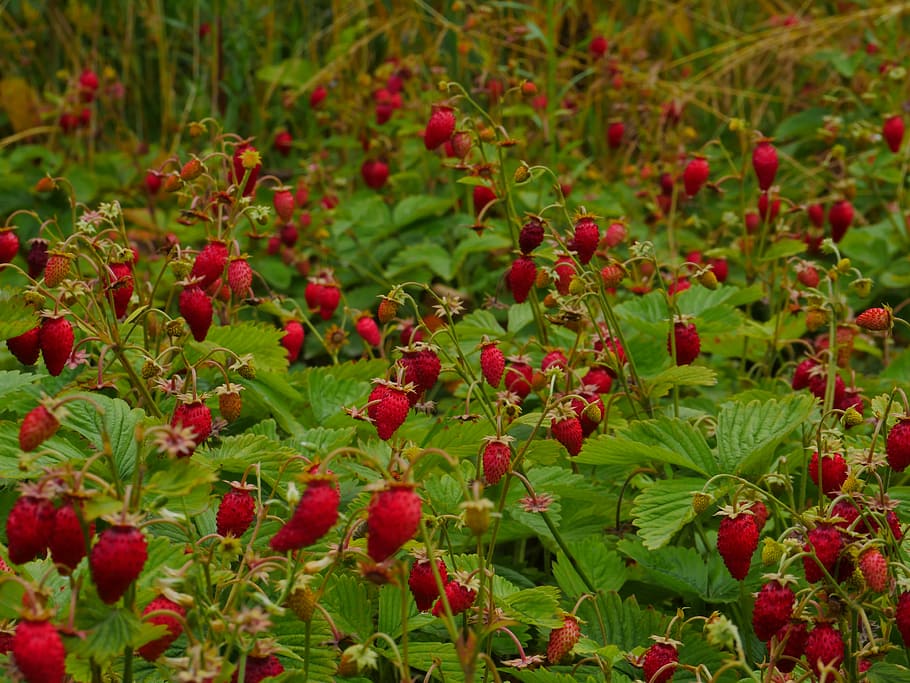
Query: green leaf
{"x": 520, "y": 315}
{"x": 681, "y": 376}
{"x": 18, "y": 318}
{"x": 663, "y": 509}
{"x": 433, "y": 256}
{"x": 118, "y": 629}
{"x": 885, "y": 672}
{"x": 12, "y": 381}
{"x": 291, "y": 73}
{"x": 328, "y": 395}
{"x": 625, "y": 624}
{"x": 237, "y": 453}
{"x": 321, "y": 661}
{"x": 261, "y": 340}
{"x": 181, "y": 478}
{"x": 271, "y": 393}
{"x": 390, "y": 597}
{"x": 603, "y": 567}
{"x": 684, "y": 571}
{"x": 114, "y": 427}
{"x": 784, "y": 248}
{"x": 537, "y": 606}
{"x": 802, "y": 125}
{"x": 417, "y": 207}
{"x": 348, "y": 601}
{"x": 748, "y": 433}
{"x": 664, "y": 439}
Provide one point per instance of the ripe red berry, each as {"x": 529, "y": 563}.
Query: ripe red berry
{"x": 196, "y": 308}
{"x": 38, "y": 652}
{"x": 423, "y": 584}
{"x": 283, "y": 201}
{"x": 875, "y": 319}
{"x": 897, "y": 446}
{"x": 893, "y": 132}
{"x": 600, "y": 378}
{"x": 375, "y": 173}
{"x": 585, "y": 240}
{"x": 768, "y": 209}
{"x": 240, "y": 277}
{"x": 440, "y": 127}
{"x": 824, "y": 648}
{"x": 823, "y": 543}
{"x": 531, "y": 235}
{"x": 816, "y": 213}
{"x": 392, "y": 519}
{"x": 235, "y": 512}
{"x": 155, "y": 648}
{"x": 764, "y": 161}
{"x": 388, "y": 408}
{"x": 737, "y": 540}
{"x": 518, "y": 376}
{"x": 496, "y": 460}
{"x": 460, "y": 597}
{"x": 283, "y": 143}
{"x": 833, "y": 473}
{"x": 196, "y": 416}
{"x": 567, "y": 430}
{"x": 318, "y": 96}
{"x": 564, "y": 268}
{"x": 563, "y": 639}
{"x": 422, "y": 368}
{"x": 793, "y": 635}
{"x": 368, "y": 330}
{"x": 615, "y": 133}
{"x": 520, "y": 277}
{"x": 773, "y": 609}
{"x": 57, "y": 269}
{"x": 210, "y": 262}
{"x": 25, "y": 347}
{"x": 315, "y": 515}
{"x": 660, "y": 657}
{"x": 67, "y": 542}
{"x": 121, "y": 284}
{"x": 56, "y": 340}
{"x": 292, "y": 340}
{"x": 598, "y": 46}
{"x": 492, "y": 363}
{"x": 840, "y": 216}
{"x": 117, "y": 560}
{"x": 687, "y": 342}
{"x": 259, "y": 668}
{"x": 29, "y": 525}
{"x": 37, "y": 426}
{"x": 760, "y": 512}
{"x": 874, "y": 567}
{"x": 36, "y": 258}
{"x": 695, "y": 175}
{"x": 240, "y": 171}
{"x": 902, "y": 616}
{"x": 329, "y": 298}
{"x": 481, "y": 197}
{"x": 9, "y": 244}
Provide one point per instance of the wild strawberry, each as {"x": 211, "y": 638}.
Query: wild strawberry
{"x": 615, "y": 234}
{"x": 773, "y": 609}
{"x": 902, "y": 616}
{"x": 230, "y": 404}
{"x": 600, "y": 378}
{"x": 686, "y": 341}
{"x": 737, "y": 540}
{"x": 235, "y": 511}
{"x": 695, "y": 175}
{"x": 807, "y": 274}
{"x": 38, "y": 652}
{"x": 196, "y": 308}
{"x": 196, "y": 416}
{"x": 833, "y": 473}
{"x": 36, "y": 258}
{"x": 56, "y": 341}
{"x": 440, "y": 127}
{"x": 598, "y": 46}
{"x": 492, "y": 363}
{"x": 764, "y": 161}
{"x": 37, "y": 426}
{"x": 292, "y": 341}
{"x": 283, "y": 143}
{"x": 315, "y": 515}
{"x": 520, "y": 278}
{"x": 375, "y": 173}
{"x": 874, "y": 568}
{"x": 816, "y": 213}
{"x": 760, "y": 512}
{"x": 460, "y": 597}
{"x": 565, "y": 270}
{"x": 368, "y": 330}
{"x": 155, "y": 648}
{"x": 422, "y": 367}
{"x": 25, "y": 347}
{"x": 680, "y": 284}
{"x": 318, "y": 96}
{"x": 768, "y": 209}
{"x": 121, "y": 285}
{"x": 244, "y": 155}
{"x": 210, "y": 262}
{"x": 259, "y": 668}
{"x": 57, "y": 269}
{"x": 824, "y": 648}
{"x": 840, "y": 216}
{"x": 283, "y": 201}
{"x": 461, "y": 144}
{"x": 897, "y": 446}
{"x": 589, "y": 409}
{"x": 482, "y": 196}
{"x": 423, "y": 584}
{"x": 329, "y": 298}
{"x": 556, "y": 358}
{"x": 9, "y": 244}
{"x": 388, "y": 408}
{"x": 29, "y": 525}
{"x": 824, "y": 544}
{"x": 563, "y": 639}
{"x": 802, "y": 373}
{"x": 893, "y": 132}
{"x": 660, "y": 657}
{"x": 875, "y": 319}
{"x": 894, "y": 524}
{"x": 116, "y": 560}
{"x": 388, "y": 309}
{"x": 531, "y": 235}
{"x": 67, "y": 542}
{"x": 497, "y": 458}
{"x": 392, "y": 519}
{"x": 612, "y": 275}
{"x": 793, "y": 635}
{"x": 566, "y": 429}
{"x": 615, "y": 133}
{"x": 585, "y": 239}
{"x": 240, "y": 277}
{"x": 518, "y": 376}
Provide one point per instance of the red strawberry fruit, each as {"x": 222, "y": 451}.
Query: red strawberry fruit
{"x": 773, "y": 609}
{"x": 897, "y": 446}
{"x": 566, "y": 429}
{"x": 240, "y": 277}
{"x": 687, "y": 342}
{"x": 116, "y": 560}
{"x": 584, "y": 241}
{"x": 283, "y": 143}
{"x": 283, "y": 201}
{"x": 661, "y": 657}
{"x": 210, "y": 262}
{"x": 615, "y": 133}
{"x": 482, "y": 196}
{"x": 695, "y": 175}
{"x": 824, "y": 648}
{"x": 764, "y": 161}
{"x": 497, "y": 458}
{"x": 155, "y": 648}
{"x": 492, "y": 362}
{"x": 368, "y": 329}
{"x": 37, "y": 426}
{"x": 422, "y": 367}
{"x": 520, "y": 278}
{"x": 121, "y": 285}
{"x": 440, "y": 127}
{"x": 875, "y": 319}
{"x": 259, "y": 668}
{"x": 25, "y": 347}
{"x": 902, "y": 616}
{"x": 318, "y": 96}
{"x": 737, "y": 540}
{"x": 375, "y": 173}
{"x": 460, "y": 596}
{"x": 563, "y": 639}
{"x": 392, "y": 519}
{"x": 36, "y": 258}
{"x": 423, "y": 584}
{"x": 599, "y": 378}
{"x": 531, "y": 235}
{"x": 29, "y": 525}
{"x": 67, "y": 542}
{"x": 833, "y": 473}
{"x": 840, "y": 216}
{"x": 38, "y": 652}
{"x": 893, "y": 132}
{"x": 874, "y": 567}
{"x": 196, "y": 416}
{"x": 314, "y": 515}
{"x": 388, "y": 408}
{"x": 824, "y": 544}
{"x": 793, "y": 635}
{"x": 9, "y": 244}
{"x": 518, "y": 376}
{"x": 196, "y": 308}
{"x": 57, "y": 269}
{"x": 235, "y": 511}
{"x": 564, "y": 268}
{"x": 292, "y": 341}
{"x": 816, "y": 213}
{"x": 56, "y": 340}
{"x": 242, "y": 152}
